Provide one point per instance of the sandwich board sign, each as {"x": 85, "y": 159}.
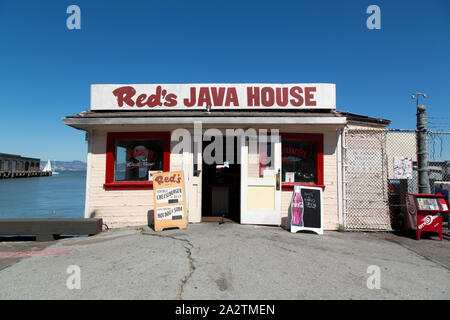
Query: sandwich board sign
{"x": 305, "y": 210}
{"x": 169, "y": 199}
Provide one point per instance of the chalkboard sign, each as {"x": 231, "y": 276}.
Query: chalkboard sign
{"x": 305, "y": 210}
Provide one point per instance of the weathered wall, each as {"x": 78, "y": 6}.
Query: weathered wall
{"x": 119, "y": 208}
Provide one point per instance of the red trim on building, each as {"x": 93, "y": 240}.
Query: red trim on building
{"x": 288, "y": 186}
{"x": 112, "y": 137}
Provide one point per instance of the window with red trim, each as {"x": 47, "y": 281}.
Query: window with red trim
{"x": 132, "y": 158}
{"x": 301, "y": 159}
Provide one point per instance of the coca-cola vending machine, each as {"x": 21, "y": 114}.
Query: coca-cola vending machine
{"x": 424, "y": 213}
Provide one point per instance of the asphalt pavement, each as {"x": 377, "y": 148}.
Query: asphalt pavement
{"x": 228, "y": 261}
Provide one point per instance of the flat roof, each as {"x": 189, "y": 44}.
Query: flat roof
{"x": 86, "y": 119}
{"x": 16, "y": 156}
{"x": 362, "y": 118}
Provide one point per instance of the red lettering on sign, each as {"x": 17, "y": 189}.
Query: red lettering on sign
{"x": 295, "y": 96}
{"x": 231, "y": 97}
{"x": 295, "y": 151}
{"x": 282, "y": 96}
{"x": 309, "y": 96}
{"x": 204, "y": 97}
{"x": 190, "y": 103}
{"x": 267, "y": 96}
{"x": 140, "y": 100}
{"x": 296, "y": 93}
{"x": 124, "y": 94}
{"x": 171, "y": 100}
{"x": 155, "y": 99}
{"x": 175, "y": 178}
{"x": 253, "y": 96}
{"x": 218, "y": 96}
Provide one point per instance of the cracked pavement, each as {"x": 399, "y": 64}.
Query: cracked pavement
{"x": 229, "y": 261}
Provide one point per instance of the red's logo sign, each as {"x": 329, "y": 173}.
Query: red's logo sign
{"x": 295, "y": 151}
{"x": 126, "y": 94}
{"x": 264, "y": 96}
{"x": 175, "y": 178}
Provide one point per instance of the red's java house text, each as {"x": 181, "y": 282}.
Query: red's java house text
{"x": 218, "y": 97}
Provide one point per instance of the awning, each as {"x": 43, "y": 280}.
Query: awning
{"x": 85, "y": 120}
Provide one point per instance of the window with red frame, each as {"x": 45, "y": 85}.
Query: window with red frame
{"x": 302, "y": 159}
{"x": 132, "y": 158}
{"x": 298, "y": 161}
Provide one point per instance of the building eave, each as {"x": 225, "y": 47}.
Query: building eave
{"x": 86, "y": 123}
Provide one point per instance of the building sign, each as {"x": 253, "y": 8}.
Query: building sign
{"x": 169, "y": 200}
{"x": 169, "y": 195}
{"x": 170, "y": 213}
{"x": 297, "y": 152}
{"x": 305, "y": 210}
{"x": 217, "y": 96}
{"x": 403, "y": 168}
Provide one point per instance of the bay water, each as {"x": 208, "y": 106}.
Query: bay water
{"x": 57, "y": 196}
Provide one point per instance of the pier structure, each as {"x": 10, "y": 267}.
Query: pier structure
{"x": 16, "y": 166}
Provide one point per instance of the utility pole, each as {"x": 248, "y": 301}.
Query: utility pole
{"x": 422, "y": 145}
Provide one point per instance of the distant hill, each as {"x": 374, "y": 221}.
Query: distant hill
{"x": 66, "y": 165}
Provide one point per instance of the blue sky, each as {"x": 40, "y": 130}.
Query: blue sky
{"x": 46, "y": 70}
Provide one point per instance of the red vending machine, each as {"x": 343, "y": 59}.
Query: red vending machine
{"x": 424, "y": 212}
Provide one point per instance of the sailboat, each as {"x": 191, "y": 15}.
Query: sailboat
{"x": 48, "y": 167}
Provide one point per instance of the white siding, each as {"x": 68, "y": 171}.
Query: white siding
{"x": 120, "y": 208}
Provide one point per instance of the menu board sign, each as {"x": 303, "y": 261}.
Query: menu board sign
{"x": 169, "y": 200}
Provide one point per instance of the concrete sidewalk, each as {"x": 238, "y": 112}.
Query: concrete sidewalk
{"x": 230, "y": 261}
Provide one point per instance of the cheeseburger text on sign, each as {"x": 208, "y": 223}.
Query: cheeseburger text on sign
{"x": 217, "y": 96}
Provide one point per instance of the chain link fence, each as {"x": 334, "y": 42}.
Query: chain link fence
{"x": 380, "y": 167}
{"x": 365, "y": 182}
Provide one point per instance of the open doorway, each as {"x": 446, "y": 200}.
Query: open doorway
{"x": 221, "y": 187}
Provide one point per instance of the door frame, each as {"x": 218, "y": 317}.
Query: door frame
{"x": 194, "y": 180}
{"x": 262, "y": 217}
